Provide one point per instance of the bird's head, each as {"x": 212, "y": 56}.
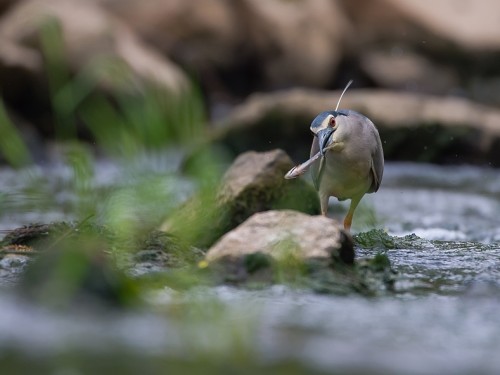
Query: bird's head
{"x": 323, "y": 126}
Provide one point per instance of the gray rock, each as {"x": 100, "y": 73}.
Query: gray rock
{"x": 282, "y": 234}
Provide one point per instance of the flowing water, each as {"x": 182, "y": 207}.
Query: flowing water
{"x": 442, "y": 318}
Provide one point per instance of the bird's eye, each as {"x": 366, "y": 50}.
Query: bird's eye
{"x": 332, "y": 122}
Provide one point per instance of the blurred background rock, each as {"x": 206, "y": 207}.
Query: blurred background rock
{"x": 441, "y": 59}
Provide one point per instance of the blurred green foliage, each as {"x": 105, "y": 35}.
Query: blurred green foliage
{"x": 125, "y": 119}
{"x": 12, "y": 146}
{"x": 126, "y": 362}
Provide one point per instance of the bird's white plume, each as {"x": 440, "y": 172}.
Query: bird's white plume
{"x": 343, "y": 92}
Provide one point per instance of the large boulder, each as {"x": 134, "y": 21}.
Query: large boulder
{"x": 283, "y": 234}
{"x": 412, "y": 126}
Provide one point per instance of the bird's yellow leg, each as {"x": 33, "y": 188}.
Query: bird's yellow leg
{"x": 323, "y": 201}
{"x": 350, "y": 213}
{"x": 348, "y": 221}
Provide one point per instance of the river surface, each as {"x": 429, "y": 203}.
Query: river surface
{"x": 442, "y": 318}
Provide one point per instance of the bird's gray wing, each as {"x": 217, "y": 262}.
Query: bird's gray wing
{"x": 377, "y": 166}
{"x": 315, "y": 172}
{"x": 375, "y": 180}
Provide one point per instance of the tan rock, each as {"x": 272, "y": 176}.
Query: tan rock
{"x": 472, "y": 24}
{"x": 399, "y": 68}
{"x": 468, "y": 24}
{"x": 281, "y": 234}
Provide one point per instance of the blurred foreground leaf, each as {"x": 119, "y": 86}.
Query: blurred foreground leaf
{"x": 12, "y": 146}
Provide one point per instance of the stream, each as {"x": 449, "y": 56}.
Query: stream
{"x": 442, "y": 318}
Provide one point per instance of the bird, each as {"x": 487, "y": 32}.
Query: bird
{"x": 351, "y": 162}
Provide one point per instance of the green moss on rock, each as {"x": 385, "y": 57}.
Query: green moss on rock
{"x": 375, "y": 239}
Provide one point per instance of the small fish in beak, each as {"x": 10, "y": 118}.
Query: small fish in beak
{"x": 302, "y": 168}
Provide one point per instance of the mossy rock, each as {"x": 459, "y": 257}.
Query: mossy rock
{"x": 369, "y": 276}
{"x": 255, "y": 182}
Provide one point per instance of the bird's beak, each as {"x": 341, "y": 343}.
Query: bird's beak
{"x": 323, "y": 138}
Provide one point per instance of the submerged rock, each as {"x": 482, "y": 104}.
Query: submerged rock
{"x": 375, "y": 239}
{"x": 12, "y": 265}
{"x": 160, "y": 253}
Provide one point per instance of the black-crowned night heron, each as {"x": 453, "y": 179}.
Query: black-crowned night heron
{"x": 351, "y": 159}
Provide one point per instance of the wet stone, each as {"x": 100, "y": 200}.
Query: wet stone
{"x": 12, "y": 261}
{"x": 11, "y": 268}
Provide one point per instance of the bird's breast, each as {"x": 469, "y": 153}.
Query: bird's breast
{"x": 344, "y": 176}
